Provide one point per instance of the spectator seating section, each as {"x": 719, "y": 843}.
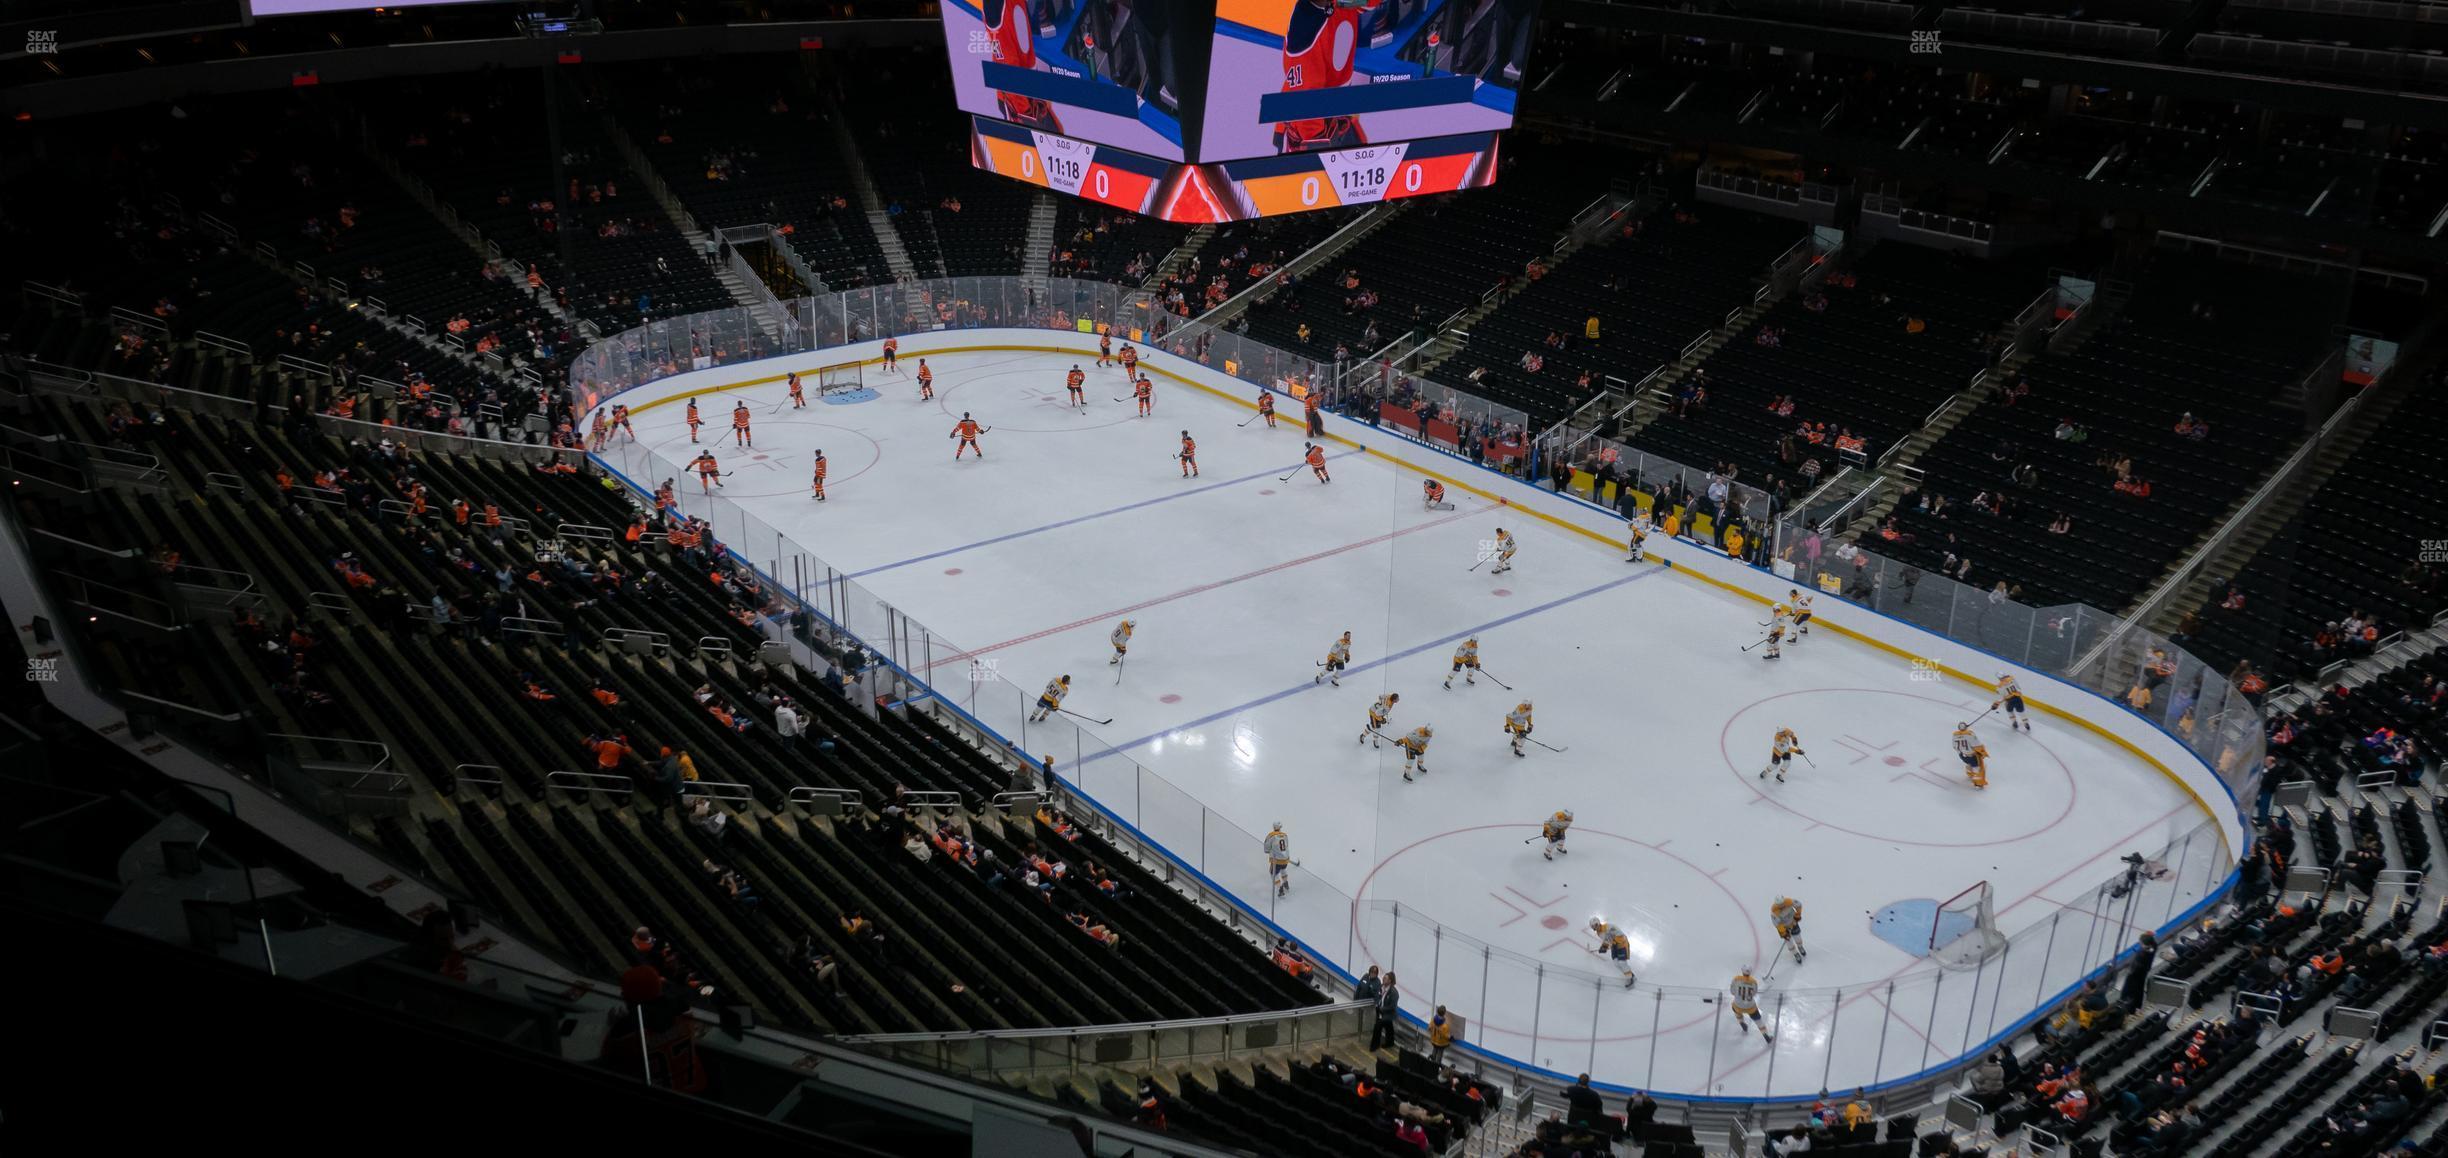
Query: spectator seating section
{"x": 1440, "y": 256}
{"x": 2215, "y": 339}
{"x": 321, "y": 239}
{"x": 2357, "y": 548}
{"x": 1101, "y": 243}
{"x": 1654, "y": 286}
{"x": 748, "y": 144}
{"x": 582, "y": 870}
{"x": 957, "y": 220}
{"x": 1846, "y": 359}
{"x": 596, "y": 238}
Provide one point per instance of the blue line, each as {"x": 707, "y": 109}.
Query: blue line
{"x": 1407, "y": 653}
{"x": 1084, "y": 518}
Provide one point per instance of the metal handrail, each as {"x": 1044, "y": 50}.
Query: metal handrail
{"x": 590, "y": 782}
{"x": 719, "y": 790}
{"x": 846, "y": 801}
{"x": 107, "y": 552}
{"x": 466, "y": 774}
{"x": 529, "y": 625}
{"x": 346, "y": 741}
{"x": 191, "y": 709}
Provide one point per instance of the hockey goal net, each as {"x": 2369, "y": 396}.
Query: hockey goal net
{"x": 1963, "y": 931}
{"x": 835, "y": 379}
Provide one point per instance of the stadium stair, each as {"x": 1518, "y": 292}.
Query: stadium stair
{"x": 863, "y": 191}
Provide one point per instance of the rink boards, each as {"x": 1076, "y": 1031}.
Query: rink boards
{"x": 1026, "y": 563}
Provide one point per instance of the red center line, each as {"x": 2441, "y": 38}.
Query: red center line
{"x": 1206, "y": 587}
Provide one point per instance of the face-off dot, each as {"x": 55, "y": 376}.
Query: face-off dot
{"x": 1169, "y": 698}
{"x": 1551, "y": 921}
{"x": 952, "y": 570}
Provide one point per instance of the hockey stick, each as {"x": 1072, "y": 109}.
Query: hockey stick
{"x": 1090, "y": 719}
{"x": 1288, "y": 477}
{"x": 1121, "y": 399}
{"x": 1544, "y": 744}
{"x": 1244, "y": 422}
{"x": 1772, "y": 968}
{"x": 1755, "y": 645}
{"x": 1119, "y": 664}
{"x": 1492, "y": 679}
{"x": 1483, "y": 560}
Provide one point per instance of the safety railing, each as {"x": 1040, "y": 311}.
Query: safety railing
{"x": 81, "y": 545}
{"x": 530, "y": 625}
{"x": 119, "y": 603}
{"x": 590, "y": 782}
{"x": 729, "y": 790}
{"x": 231, "y": 346}
{"x": 1035, "y": 1053}
{"x": 619, "y": 637}
{"x": 843, "y": 801}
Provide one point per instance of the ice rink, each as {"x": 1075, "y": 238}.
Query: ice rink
{"x": 1020, "y": 563}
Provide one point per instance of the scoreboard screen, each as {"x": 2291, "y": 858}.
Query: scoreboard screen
{"x": 1221, "y": 110}
{"x": 1296, "y": 76}
{"x": 1234, "y": 190}
{"x": 1108, "y": 71}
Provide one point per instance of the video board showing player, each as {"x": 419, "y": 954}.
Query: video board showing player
{"x": 1233, "y": 190}
{"x": 1108, "y": 71}
{"x": 1300, "y": 76}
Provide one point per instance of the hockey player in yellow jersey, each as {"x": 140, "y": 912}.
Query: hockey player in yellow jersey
{"x": 1554, "y": 831}
{"x": 1786, "y": 917}
{"x": 1636, "y": 535}
{"x": 1743, "y": 1000}
{"x": 1504, "y": 547}
{"x": 1615, "y": 944}
{"x": 1379, "y": 713}
{"x": 1050, "y": 700}
{"x": 1781, "y": 752}
{"x": 1338, "y": 657}
{"x": 2010, "y": 697}
{"x": 1779, "y": 617}
{"x": 1120, "y": 639}
{"x": 1279, "y": 858}
{"x": 1517, "y": 725}
{"x": 1974, "y": 754}
{"x": 1800, "y": 601}
{"x": 1415, "y": 750}
{"x": 1465, "y": 663}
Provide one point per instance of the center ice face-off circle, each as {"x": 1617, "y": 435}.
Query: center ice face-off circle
{"x": 1870, "y": 744}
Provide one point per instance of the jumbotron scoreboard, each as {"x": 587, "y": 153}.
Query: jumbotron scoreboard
{"x": 1220, "y": 110}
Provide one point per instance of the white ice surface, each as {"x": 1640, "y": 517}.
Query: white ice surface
{"x": 1239, "y": 580}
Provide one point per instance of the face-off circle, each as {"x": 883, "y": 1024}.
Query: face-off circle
{"x": 1871, "y": 743}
